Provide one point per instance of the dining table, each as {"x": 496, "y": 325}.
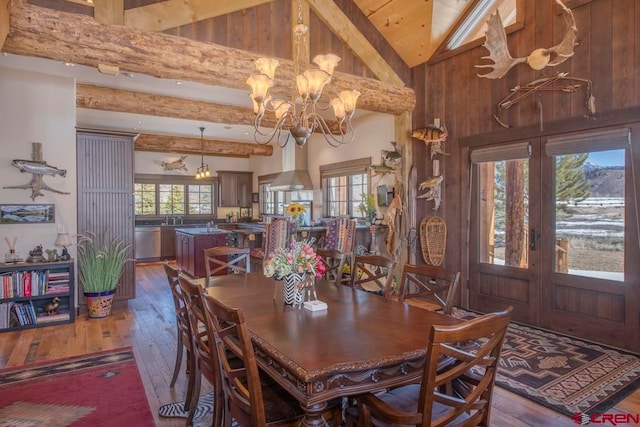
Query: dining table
{"x": 360, "y": 343}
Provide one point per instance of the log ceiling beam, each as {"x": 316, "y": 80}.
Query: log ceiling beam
{"x": 186, "y": 145}
{"x": 175, "y": 13}
{"x": 109, "y": 11}
{"x": 127, "y": 101}
{"x": 4, "y": 20}
{"x": 343, "y": 28}
{"x": 66, "y": 37}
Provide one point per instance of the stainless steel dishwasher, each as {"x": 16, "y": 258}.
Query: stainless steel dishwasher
{"x": 147, "y": 243}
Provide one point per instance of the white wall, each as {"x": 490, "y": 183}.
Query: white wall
{"x": 37, "y": 108}
{"x": 151, "y": 163}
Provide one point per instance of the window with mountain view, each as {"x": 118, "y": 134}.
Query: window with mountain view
{"x": 589, "y": 213}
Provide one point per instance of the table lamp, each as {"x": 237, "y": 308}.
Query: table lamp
{"x": 64, "y": 240}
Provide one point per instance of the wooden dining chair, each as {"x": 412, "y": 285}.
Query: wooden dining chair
{"x": 334, "y": 261}
{"x": 183, "y": 327}
{"x": 337, "y": 247}
{"x": 205, "y": 357}
{"x": 459, "y": 395}
{"x": 250, "y": 399}
{"x": 429, "y": 286}
{"x": 276, "y": 234}
{"x": 372, "y": 273}
{"x": 226, "y": 258}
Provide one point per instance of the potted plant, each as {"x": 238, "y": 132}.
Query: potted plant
{"x": 100, "y": 264}
{"x": 368, "y": 207}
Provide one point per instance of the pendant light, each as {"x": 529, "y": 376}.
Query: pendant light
{"x": 203, "y": 170}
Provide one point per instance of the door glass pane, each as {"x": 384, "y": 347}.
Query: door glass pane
{"x": 504, "y": 212}
{"x": 589, "y": 214}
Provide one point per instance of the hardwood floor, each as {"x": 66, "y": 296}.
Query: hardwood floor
{"x": 148, "y": 326}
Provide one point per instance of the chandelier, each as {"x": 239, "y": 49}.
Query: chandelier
{"x": 301, "y": 114}
{"x": 203, "y": 170}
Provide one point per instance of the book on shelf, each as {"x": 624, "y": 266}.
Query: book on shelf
{"x": 57, "y": 317}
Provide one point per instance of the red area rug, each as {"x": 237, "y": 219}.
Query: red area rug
{"x": 99, "y": 389}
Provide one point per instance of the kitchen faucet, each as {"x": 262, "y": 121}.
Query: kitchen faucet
{"x": 181, "y": 220}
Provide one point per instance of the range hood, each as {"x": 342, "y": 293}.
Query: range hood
{"x": 295, "y": 176}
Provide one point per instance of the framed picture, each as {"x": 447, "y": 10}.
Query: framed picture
{"x": 254, "y": 197}
{"x": 27, "y": 214}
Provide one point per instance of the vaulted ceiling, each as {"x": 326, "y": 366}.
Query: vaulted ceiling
{"x": 413, "y": 29}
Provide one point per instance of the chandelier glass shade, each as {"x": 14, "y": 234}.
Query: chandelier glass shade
{"x": 203, "y": 170}
{"x": 300, "y": 115}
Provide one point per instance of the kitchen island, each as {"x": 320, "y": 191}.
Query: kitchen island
{"x": 190, "y": 244}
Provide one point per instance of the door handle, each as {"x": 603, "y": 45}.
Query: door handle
{"x": 532, "y": 239}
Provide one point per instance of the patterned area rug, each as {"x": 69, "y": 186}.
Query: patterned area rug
{"x": 562, "y": 373}
{"x": 98, "y": 389}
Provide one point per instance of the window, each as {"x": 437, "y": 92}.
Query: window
{"x": 171, "y": 199}
{"x": 271, "y": 202}
{"x": 589, "y": 220}
{"x": 145, "y": 199}
{"x": 200, "y": 201}
{"x": 161, "y": 195}
{"x": 344, "y": 184}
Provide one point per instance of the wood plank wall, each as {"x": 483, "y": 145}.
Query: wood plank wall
{"x": 608, "y": 53}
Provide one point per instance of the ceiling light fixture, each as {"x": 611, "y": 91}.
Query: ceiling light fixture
{"x": 299, "y": 115}
{"x": 203, "y": 170}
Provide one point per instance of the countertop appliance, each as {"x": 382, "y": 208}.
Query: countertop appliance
{"x": 147, "y": 243}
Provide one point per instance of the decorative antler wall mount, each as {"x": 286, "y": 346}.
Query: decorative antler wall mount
{"x": 496, "y": 43}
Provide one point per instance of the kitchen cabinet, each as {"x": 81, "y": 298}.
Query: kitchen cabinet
{"x": 168, "y": 245}
{"x": 235, "y": 189}
{"x": 190, "y": 244}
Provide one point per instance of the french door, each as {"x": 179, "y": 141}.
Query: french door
{"x": 554, "y": 233}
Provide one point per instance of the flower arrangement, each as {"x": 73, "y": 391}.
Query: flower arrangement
{"x": 296, "y": 257}
{"x": 296, "y": 211}
{"x": 368, "y": 206}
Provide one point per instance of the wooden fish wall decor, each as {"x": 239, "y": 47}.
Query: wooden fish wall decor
{"x": 434, "y": 135}
{"x": 37, "y": 167}
{"x": 176, "y": 165}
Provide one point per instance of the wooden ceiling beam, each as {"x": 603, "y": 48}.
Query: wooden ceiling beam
{"x": 186, "y": 145}
{"x": 46, "y": 33}
{"x": 127, "y": 101}
{"x": 174, "y": 13}
{"x": 109, "y": 11}
{"x": 4, "y": 20}
{"x": 345, "y": 30}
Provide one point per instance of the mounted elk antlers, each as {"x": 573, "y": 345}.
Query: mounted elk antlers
{"x": 496, "y": 44}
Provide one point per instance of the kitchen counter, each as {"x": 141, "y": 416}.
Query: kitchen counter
{"x": 190, "y": 246}
{"x": 202, "y": 231}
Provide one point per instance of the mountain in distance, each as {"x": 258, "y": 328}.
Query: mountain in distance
{"x": 604, "y": 181}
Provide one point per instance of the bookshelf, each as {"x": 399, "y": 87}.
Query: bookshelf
{"x": 27, "y": 288}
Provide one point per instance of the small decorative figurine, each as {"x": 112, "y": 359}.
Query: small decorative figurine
{"x": 52, "y": 307}
{"x": 35, "y": 255}
{"x": 64, "y": 256}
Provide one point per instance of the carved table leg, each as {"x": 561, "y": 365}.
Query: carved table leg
{"x": 313, "y": 415}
